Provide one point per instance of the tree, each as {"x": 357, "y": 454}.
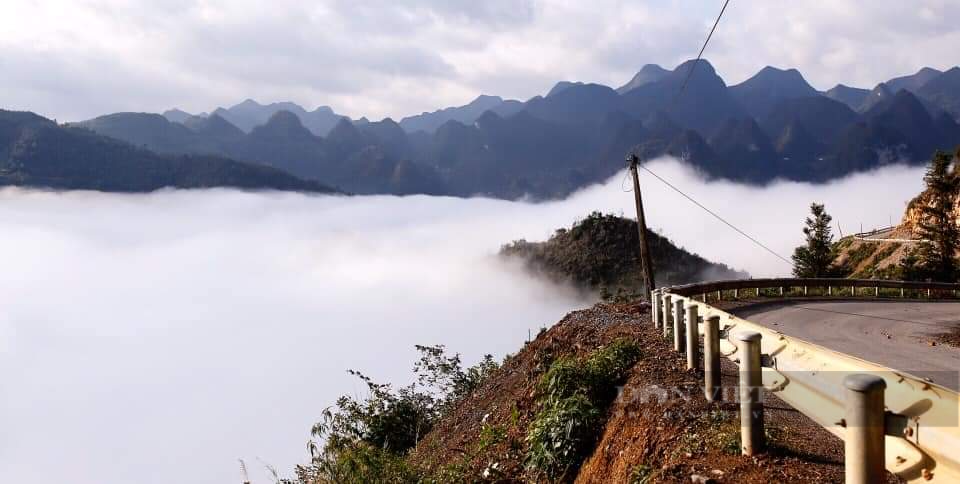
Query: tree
{"x": 815, "y": 259}
{"x": 937, "y": 254}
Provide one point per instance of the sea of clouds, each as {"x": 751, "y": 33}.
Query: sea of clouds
{"x": 159, "y": 338}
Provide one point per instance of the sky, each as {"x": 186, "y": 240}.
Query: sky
{"x": 158, "y": 338}
{"x": 76, "y": 59}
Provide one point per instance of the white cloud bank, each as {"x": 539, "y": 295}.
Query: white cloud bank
{"x": 158, "y": 338}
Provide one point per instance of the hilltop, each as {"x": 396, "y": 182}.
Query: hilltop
{"x": 601, "y": 253}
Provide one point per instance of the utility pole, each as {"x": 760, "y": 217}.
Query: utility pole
{"x": 646, "y": 262}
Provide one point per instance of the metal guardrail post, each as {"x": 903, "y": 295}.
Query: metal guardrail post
{"x": 693, "y": 338}
{"x": 781, "y": 291}
{"x": 901, "y": 293}
{"x": 876, "y": 291}
{"x": 864, "y": 446}
{"x": 758, "y": 293}
{"x": 806, "y": 290}
{"x": 751, "y": 393}
{"x": 829, "y": 290}
{"x": 655, "y": 308}
{"x": 667, "y": 315}
{"x": 678, "y": 339}
{"x": 736, "y": 293}
{"x": 719, "y": 295}
{"x": 711, "y": 358}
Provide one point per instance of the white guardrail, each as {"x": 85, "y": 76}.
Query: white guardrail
{"x": 920, "y": 435}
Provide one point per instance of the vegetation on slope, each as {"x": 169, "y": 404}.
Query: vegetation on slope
{"x": 601, "y": 252}
{"x": 366, "y": 439}
{"x": 599, "y": 397}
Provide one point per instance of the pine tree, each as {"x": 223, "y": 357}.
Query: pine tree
{"x": 937, "y": 254}
{"x": 815, "y": 259}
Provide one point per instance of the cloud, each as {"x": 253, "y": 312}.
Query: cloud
{"x": 380, "y": 58}
{"x": 160, "y": 337}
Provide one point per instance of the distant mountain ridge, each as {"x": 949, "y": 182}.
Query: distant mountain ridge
{"x": 647, "y": 74}
{"x": 467, "y": 114}
{"x": 36, "y": 152}
{"x": 773, "y": 125}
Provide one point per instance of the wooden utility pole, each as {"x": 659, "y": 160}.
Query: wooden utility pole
{"x": 646, "y": 262}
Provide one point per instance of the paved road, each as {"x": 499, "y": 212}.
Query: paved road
{"x": 891, "y": 333}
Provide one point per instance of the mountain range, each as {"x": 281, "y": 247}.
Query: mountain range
{"x": 773, "y": 125}
{"x": 37, "y": 152}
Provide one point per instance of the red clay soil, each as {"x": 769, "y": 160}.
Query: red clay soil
{"x": 680, "y": 439}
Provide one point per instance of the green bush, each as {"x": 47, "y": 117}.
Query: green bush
{"x": 561, "y": 433}
{"x": 573, "y": 394}
{"x": 595, "y": 376}
{"x": 357, "y": 464}
{"x": 366, "y": 439}
{"x": 608, "y": 365}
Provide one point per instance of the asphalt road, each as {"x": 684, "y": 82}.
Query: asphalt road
{"x": 895, "y": 334}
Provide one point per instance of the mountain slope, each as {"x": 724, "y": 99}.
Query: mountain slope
{"x": 647, "y": 74}
{"x": 176, "y": 115}
{"x": 744, "y": 148}
{"x": 905, "y": 114}
{"x": 853, "y": 97}
{"x": 705, "y": 104}
{"x": 914, "y": 81}
{"x": 152, "y": 131}
{"x": 767, "y": 88}
{"x": 575, "y": 104}
{"x": 37, "y": 152}
{"x": 466, "y": 114}
{"x": 824, "y": 118}
{"x": 944, "y": 91}
{"x": 250, "y": 114}
{"x": 877, "y": 95}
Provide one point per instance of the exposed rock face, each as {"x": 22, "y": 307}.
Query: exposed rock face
{"x": 911, "y": 219}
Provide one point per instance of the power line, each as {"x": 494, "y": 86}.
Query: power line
{"x": 683, "y": 87}
{"x": 714, "y": 214}
{"x": 700, "y": 55}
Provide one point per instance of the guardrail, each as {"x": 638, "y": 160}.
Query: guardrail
{"x": 867, "y": 236}
{"x": 875, "y": 231}
{"x": 920, "y": 435}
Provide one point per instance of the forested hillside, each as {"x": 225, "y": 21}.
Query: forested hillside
{"x": 601, "y": 252}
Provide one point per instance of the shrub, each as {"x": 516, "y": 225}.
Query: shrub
{"x": 573, "y": 393}
{"x": 595, "y": 376}
{"x": 357, "y": 464}
{"x": 561, "y": 433}
{"x": 366, "y": 439}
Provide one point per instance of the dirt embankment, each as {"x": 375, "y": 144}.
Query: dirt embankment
{"x": 679, "y": 438}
